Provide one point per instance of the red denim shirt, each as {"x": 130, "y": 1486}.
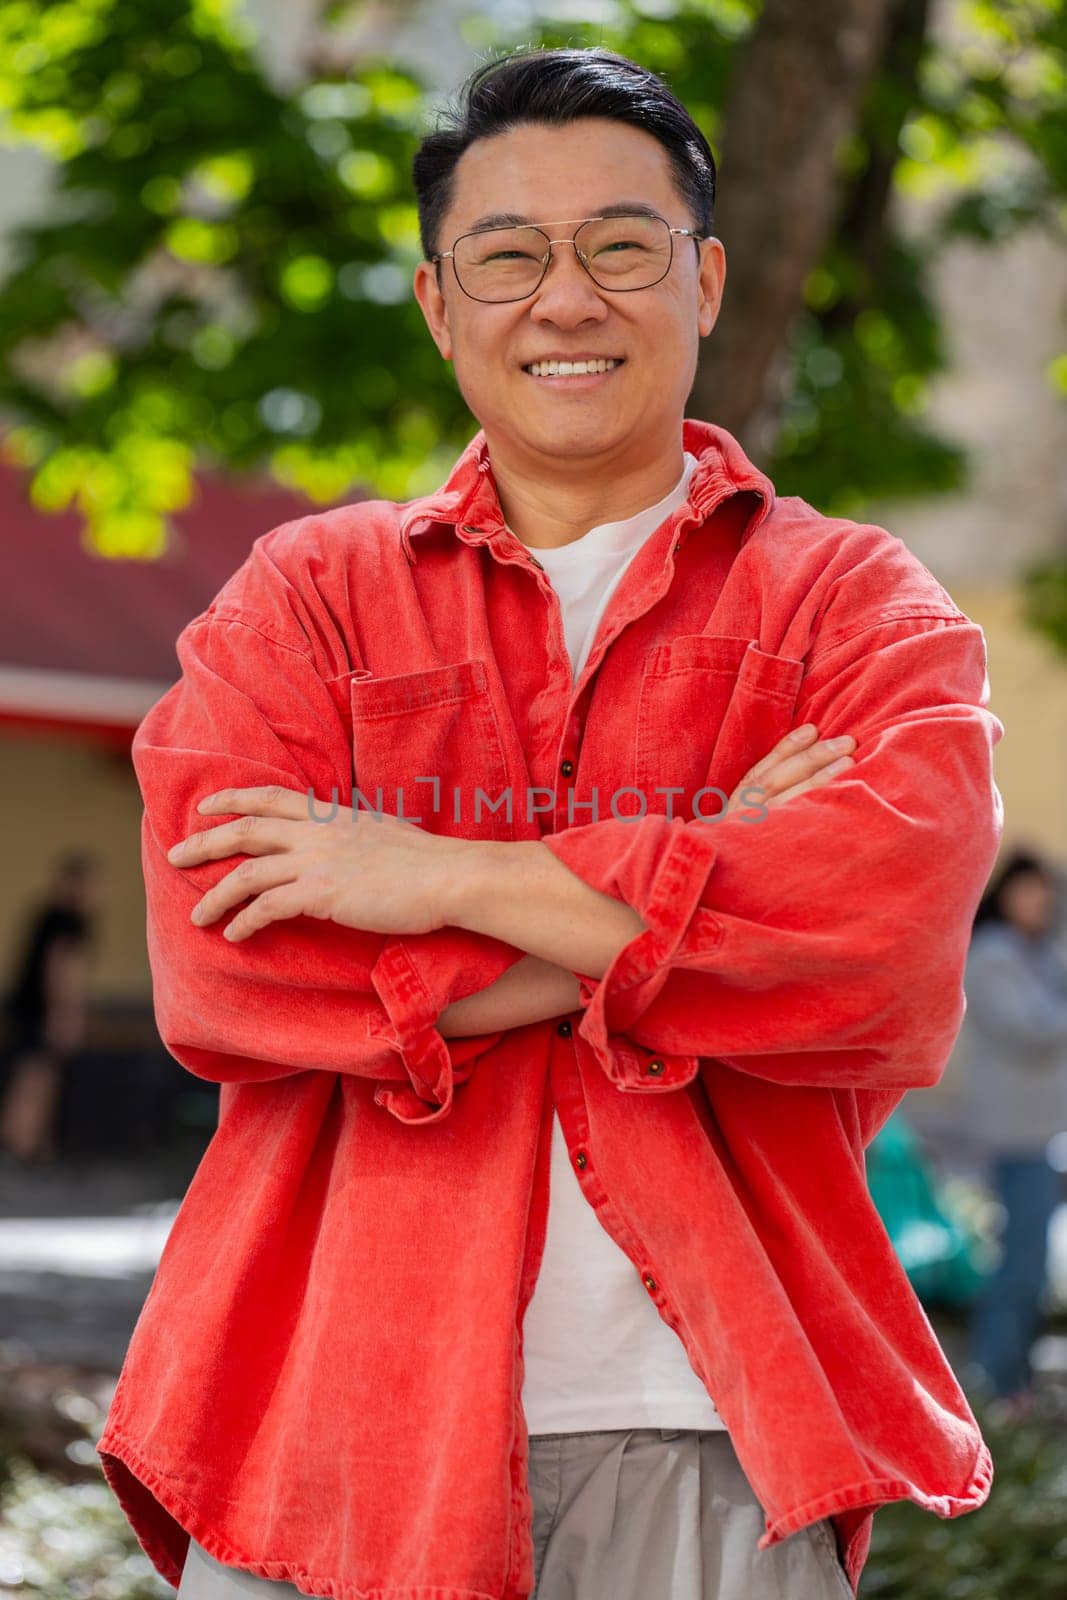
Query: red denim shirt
{"x": 324, "y": 1383}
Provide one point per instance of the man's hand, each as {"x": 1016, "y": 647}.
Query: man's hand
{"x": 797, "y": 763}
{"x": 360, "y": 869}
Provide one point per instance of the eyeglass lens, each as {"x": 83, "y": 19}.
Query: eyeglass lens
{"x": 508, "y": 263}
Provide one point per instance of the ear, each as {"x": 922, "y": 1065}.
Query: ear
{"x": 432, "y": 304}
{"x": 712, "y": 280}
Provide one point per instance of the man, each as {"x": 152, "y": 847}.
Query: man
{"x": 46, "y": 1008}
{"x": 625, "y": 933}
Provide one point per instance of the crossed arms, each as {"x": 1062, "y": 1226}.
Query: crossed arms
{"x": 510, "y": 893}
{"x": 824, "y": 944}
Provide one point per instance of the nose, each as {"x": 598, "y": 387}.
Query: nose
{"x": 567, "y": 293}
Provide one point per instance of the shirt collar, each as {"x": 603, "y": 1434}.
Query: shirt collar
{"x": 468, "y": 500}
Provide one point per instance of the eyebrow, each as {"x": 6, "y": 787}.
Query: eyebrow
{"x": 512, "y": 219}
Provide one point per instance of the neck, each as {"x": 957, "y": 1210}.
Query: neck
{"x": 547, "y": 508}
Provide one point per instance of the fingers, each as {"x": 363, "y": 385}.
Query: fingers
{"x": 818, "y": 779}
{"x": 793, "y": 742}
{"x": 252, "y": 877}
{"x": 797, "y": 762}
{"x": 267, "y": 799}
{"x": 804, "y": 764}
{"x": 285, "y": 900}
{"x": 255, "y": 808}
{"x": 250, "y": 835}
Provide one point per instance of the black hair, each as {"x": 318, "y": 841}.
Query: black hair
{"x": 1017, "y": 863}
{"x": 560, "y": 86}
{"x": 76, "y": 864}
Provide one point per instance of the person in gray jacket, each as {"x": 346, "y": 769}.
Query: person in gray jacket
{"x": 1016, "y": 1065}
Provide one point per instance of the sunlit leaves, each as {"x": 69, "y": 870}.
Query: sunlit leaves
{"x": 91, "y": 374}
{"x": 306, "y": 282}
{"x": 225, "y": 178}
{"x": 37, "y": 46}
{"x": 124, "y": 493}
{"x": 367, "y": 174}
{"x": 1045, "y": 599}
{"x": 991, "y": 131}
{"x": 1056, "y": 371}
{"x": 224, "y": 20}
{"x": 194, "y": 240}
{"x": 339, "y": 101}
{"x": 240, "y": 259}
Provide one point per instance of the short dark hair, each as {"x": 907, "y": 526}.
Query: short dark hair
{"x": 1019, "y": 862}
{"x": 559, "y": 86}
{"x": 76, "y": 864}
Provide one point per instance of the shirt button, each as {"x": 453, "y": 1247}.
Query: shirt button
{"x": 564, "y": 1030}
{"x": 581, "y": 1160}
{"x": 649, "y": 1281}
{"x": 567, "y": 767}
{"x": 655, "y": 1067}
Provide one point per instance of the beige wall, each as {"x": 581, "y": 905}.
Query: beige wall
{"x": 58, "y": 795}
{"x": 1028, "y": 692}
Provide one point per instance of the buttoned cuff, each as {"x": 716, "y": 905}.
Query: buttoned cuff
{"x": 434, "y": 1064}
{"x": 662, "y": 877}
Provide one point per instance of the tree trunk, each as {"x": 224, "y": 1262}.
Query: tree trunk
{"x": 864, "y": 217}
{"x": 796, "y": 92}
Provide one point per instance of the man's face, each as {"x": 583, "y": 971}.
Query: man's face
{"x": 546, "y": 173}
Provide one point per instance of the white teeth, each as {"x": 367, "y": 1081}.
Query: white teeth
{"x": 563, "y": 369}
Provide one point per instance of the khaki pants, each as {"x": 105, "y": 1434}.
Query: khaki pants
{"x": 630, "y": 1514}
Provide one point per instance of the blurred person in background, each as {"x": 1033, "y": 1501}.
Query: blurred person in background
{"x": 1016, "y": 1037}
{"x": 46, "y": 1009}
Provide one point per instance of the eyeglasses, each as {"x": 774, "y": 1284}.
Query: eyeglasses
{"x": 619, "y": 253}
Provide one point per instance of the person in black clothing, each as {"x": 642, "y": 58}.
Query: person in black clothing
{"x": 45, "y": 1009}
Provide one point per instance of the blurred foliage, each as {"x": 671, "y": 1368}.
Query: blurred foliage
{"x": 1045, "y": 599}
{"x": 226, "y": 275}
{"x": 225, "y": 278}
{"x": 977, "y": 132}
{"x": 1014, "y": 1545}
{"x": 70, "y": 1541}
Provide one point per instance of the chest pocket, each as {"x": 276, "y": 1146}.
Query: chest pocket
{"x": 440, "y": 724}
{"x": 710, "y": 707}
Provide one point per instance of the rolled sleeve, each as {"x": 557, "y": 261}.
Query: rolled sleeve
{"x": 411, "y": 1001}
{"x": 252, "y": 710}
{"x": 822, "y": 943}
{"x": 666, "y": 869}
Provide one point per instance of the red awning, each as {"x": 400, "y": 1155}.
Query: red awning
{"x": 86, "y": 641}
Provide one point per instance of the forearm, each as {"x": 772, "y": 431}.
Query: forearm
{"x": 529, "y": 991}
{"x": 521, "y": 893}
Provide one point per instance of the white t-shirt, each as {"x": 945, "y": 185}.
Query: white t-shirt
{"x": 596, "y": 1351}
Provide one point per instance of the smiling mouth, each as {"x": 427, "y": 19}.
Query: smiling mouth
{"x": 575, "y": 369}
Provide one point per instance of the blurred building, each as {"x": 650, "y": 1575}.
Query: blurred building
{"x": 86, "y": 646}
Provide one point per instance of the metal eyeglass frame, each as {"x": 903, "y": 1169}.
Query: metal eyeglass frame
{"x": 687, "y": 233}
